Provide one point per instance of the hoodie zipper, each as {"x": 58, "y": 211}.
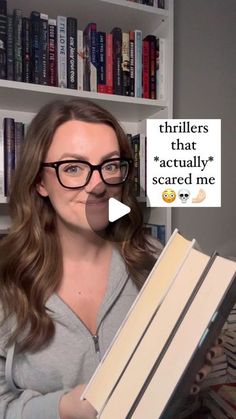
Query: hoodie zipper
{"x": 95, "y": 337}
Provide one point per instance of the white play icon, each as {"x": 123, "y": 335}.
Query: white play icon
{"x": 116, "y": 209}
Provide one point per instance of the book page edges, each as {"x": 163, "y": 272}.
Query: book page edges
{"x": 137, "y": 318}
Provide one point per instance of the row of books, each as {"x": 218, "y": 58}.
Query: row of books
{"x": 11, "y": 139}
{"x": 153, "y": 3}
{"x": 56, "y": 52}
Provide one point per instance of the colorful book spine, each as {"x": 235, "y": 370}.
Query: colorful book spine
{"x": 35, "y": 54}
{"x": 132, "y": 62}
{"x": 80, "y": 60}
{"x": 62, "y": 50}
{"x": 138, "y": 63}
{"x": 17, "y": 36}
{"x": 26, "y": 59}
{"x": 3, "y": 39}
{"x": 117, "y": 56}
{"x": 52, "y": 52}
{"x": 43, "y": 49}
{"x": 125, "y": 64}
{"x": 71, "y": 53}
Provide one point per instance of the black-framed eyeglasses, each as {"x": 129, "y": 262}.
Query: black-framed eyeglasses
{"x": 74, "y": 174}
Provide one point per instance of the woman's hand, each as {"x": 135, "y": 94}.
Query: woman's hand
{"x": 71, "y": 407}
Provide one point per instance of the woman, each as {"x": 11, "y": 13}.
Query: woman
{"x": 65, "y": 271}
{"x": 68, "y": 276}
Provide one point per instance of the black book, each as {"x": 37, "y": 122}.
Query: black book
{"x": 35, "y": 54}
{"x": 10, "y": 48}
{"x": 43, "y": 49}
{"x": 17, "y": 37}
{"x": 3, "y": 7}
{"x": 9, "y": 152}
{"x": 117, "y": 57}
{"x": 26, "y": 58}
{"x": 71, "y": 53}
{"x": 3, "y": 39}
{"x": 19, "y": 138}
{"x": 101, "y": 58}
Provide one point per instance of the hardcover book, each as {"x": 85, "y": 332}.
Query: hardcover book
{"x": 131, "y": 380}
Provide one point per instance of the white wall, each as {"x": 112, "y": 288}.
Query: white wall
{"x": 205, "y": 87}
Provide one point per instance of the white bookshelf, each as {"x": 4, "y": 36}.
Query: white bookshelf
{"x": 22, "y": 100}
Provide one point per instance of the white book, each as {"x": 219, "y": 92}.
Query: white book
{"x": 62, "y": 50}
{"x": 80, "y": 60}
{"x": 161, "y": 76}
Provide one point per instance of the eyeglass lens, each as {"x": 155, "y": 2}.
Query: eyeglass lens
{"x": 76, "y": 174}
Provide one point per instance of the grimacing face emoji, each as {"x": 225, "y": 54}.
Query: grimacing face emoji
{"x": 168, "y": 195}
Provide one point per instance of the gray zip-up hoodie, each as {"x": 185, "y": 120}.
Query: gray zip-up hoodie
{"x": 31, "y": 384}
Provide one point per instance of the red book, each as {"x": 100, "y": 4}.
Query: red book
{"x": 109, "y": 63}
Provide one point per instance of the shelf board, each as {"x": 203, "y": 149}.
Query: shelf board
{"x": 27, "y": 97}
{"x": 106, "y": 13}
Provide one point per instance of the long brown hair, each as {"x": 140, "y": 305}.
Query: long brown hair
{"x": 30, "y": 255}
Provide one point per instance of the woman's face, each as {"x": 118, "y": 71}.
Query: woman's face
{"x": 87, "y": 207}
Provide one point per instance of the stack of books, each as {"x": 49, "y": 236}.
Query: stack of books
{"x": 153, "y": 360}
